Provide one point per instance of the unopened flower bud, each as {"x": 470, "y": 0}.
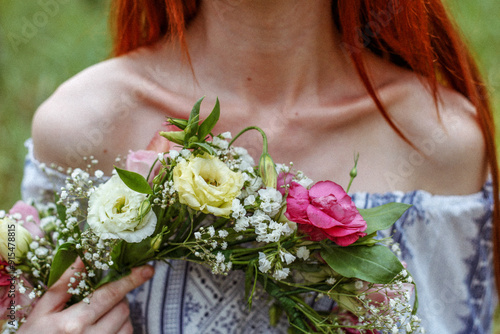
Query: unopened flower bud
{"x": 156, "y": 242}
{"x": 354, "y": 172}
{"x": 267, "y": 171}
{"x": 144, "y": 208}
{"x": 12, "y": 233}
{"x": 174, "y": 136}
{"x": 178, "y": 122}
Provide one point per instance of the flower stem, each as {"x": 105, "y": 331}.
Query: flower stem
{"x": 264, "y": 137}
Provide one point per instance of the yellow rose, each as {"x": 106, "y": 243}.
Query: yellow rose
{"x": 205, "y": 183}
{"x": 14, "y": 240}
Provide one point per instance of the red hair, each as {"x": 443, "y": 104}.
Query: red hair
{"x": 418, "y": 35}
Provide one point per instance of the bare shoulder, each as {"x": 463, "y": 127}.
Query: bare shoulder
{"x": 449, "y": 149}
{"x": 92, "y": 114}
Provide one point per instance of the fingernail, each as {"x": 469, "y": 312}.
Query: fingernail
{"x": 147, "y": 272}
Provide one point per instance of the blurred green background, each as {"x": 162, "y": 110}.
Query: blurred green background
{"x": 44, "y": 42}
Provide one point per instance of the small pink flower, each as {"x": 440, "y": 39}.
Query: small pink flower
{"x": 30, "y": 217}
{"x": 141, "y": 162}
{"x": 325, "y": 211}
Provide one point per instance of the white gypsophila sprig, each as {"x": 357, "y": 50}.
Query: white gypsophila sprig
{"x": 241, "y": 224}
{"x": 303, "y": 253}
{"x": 265, "y": 263}
{"x": 281, "y": 274}
{"x": 238, "y": 210}
{"x": 244, "y": 160}
{"x": 387, "y": 307}
{"x": 252, "y": 183}
{"x": 221, "y": 143}
{"x": 270, "y": 201}
{"x": 286, "y": 257}
{"x": 207, "y": 240}
{"x": 268, "y": 230}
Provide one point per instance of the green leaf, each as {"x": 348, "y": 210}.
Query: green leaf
{"x": 135, "y": 254}
{"x": 249, "y": 278}
{"x": 209, "y": 123}
{"x": 368, "y": 240}
{"x": 382, "y": 217}
{"x": 374, "y": 264}
{"x": 61, "y": 210}
{"x": 134, "y": 181}
{"x": 204, "y": 146}
{"x": 65, "y": 256}
{"x": 194, "y": 118}
{"x": 275, "y": 313}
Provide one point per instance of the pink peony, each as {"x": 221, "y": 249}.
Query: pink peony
{"x": 283, "y": 180}
{"x": 30, "y": 217}
{"x": 325, "y": 211}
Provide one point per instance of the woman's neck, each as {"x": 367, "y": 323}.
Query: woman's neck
{"x": 268, "y": 52}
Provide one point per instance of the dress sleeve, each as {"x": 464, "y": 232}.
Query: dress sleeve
{"x": 446, "y": 242}
{"x": 39, "y": 181}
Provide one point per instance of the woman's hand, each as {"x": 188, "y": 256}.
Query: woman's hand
{"x": 108, "y": 311}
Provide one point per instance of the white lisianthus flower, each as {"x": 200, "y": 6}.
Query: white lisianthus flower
{"x": 205, "y": 183}
{"x": 118, "y": 212}
{"x": 12, "y": 233}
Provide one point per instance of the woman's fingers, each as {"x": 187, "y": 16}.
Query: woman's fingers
{"x": 57, "y": 296}
{"x": 108, "y": 311}
{"x": 114, "y": 320}
{"x": 126, "y": 328}
{"x": 111, "y": 294}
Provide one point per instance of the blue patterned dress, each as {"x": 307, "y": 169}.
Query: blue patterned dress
{"x": 445, "y": 240}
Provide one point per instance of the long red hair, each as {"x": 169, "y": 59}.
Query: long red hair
{"x": 418, "y": 35}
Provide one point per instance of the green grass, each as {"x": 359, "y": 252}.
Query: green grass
{"x": 71, "y": 35}
{"x": 40, "y": 47}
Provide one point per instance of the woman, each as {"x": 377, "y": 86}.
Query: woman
{"x": 388, "y": 79}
